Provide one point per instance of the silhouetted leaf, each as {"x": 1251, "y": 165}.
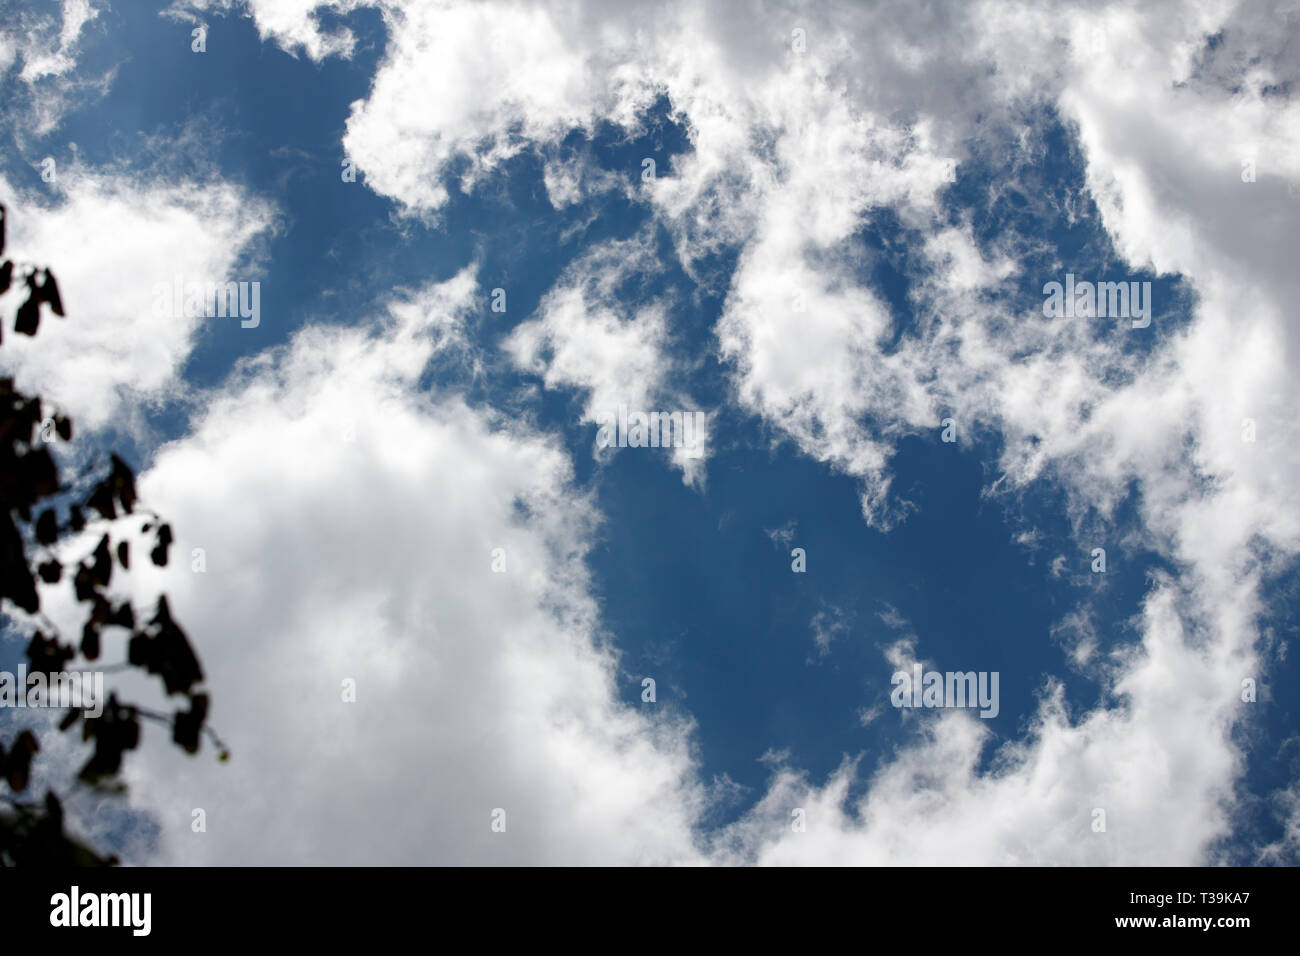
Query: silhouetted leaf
{"x": 50, "y": 293}
{"x": 114, "y": 731}
{"x": 101, "y": 500}
{"x": 124, "y": 555}
{"x": 29, "y": 313}
{"x": 53, "y": 810}
{"x": 47, "y": 527}
{"x": 47, "y": 655}
{"x": 170, "y": 654}
{"x": 38, "y": 473}
{"x": 83, "y": 584}
{"x": 124, "y": 616}
{"x": 18, "y": 765}
{"x": 159, "y": 553}
{"x": 188, "y": 724}
{"x": 90, "y": 641}
{"x": 102, "y": 570}
{"x": 16, "y": 581}
{"x": 139, "y": 650}
{"x": 123, "y": 482}
{"x": 101, "y": 610}
{"x": 50, "y": 571}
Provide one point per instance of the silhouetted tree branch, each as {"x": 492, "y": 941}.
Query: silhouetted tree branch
{"x": 38, "y": 515}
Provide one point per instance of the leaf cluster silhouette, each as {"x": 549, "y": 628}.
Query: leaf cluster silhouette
{"x": 41, "y": 519}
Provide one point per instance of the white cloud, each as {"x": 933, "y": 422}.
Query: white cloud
{"x": 1172, "y": 199}
{"x": 39, "y": 61}
{"x": 1285, "y": 851}
{"x": 371, "y": 559}
{"x": 793, "y": 155}
{"x": 583, "y": 339}
{"x": 294, "y": 24}
{"x": 108, "y": 239}
{"x": 783, "y": 536}
{"x": 828, "y": 625}
{"x": 42, "y": 49}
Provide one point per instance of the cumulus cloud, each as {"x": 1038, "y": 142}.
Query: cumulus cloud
{"x": 1159, "y": 766}
{"x": 294, "y": 24}
{"x": 809, "y": 128}
{"x": 352, "y": 537}
{"x": 583, "y": 339}
{"x": 110, "y": 240}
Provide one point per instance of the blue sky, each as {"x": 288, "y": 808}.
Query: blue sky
{"x": 348, "y": 465}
